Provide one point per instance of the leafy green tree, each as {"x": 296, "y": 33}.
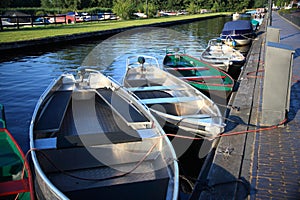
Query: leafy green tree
{"x": 124, "y": 8}
{"x": 23, "y": 3}
{"x": 260, "y": 3}
{"x": 71, "y": 4}
{"x": 152, "y": 9}
{"x": 105, "y": 3}
{"x": 192, "y": 9}
{"x": 216, "y": 7}
{"x": 5, "y": 3}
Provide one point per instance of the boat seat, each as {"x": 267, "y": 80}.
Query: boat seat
{"x": 68, "y": 141}
{"x": 152, "y": 88}
{"x": 188, "y": 68}
{"x": 97, "y": 139}
{"x": 202, "y": 77}
{"x": 14, "y": 187}
{"x": 86, "y": 156}
{"x": 53, "y": 112}
{"x": 168, "y": 100}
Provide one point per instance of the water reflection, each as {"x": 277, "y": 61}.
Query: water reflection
{"x": 111, "y": 54}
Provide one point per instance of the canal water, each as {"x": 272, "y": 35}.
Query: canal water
{"x": 25, "y": 75}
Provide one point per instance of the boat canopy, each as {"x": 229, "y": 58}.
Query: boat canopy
{"x": 237, "y": 27}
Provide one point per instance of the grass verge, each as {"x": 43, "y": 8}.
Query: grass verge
{"x": 39, "y": 32}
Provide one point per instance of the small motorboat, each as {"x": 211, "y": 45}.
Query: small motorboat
{"x": 174, "y": 102}
{"x": 15, "y": 178}
{"x": 93, "y": 138}
{"x": 222, "y": 56}
{"x": 202, "y": 75}
{"x": 237, "y": 33}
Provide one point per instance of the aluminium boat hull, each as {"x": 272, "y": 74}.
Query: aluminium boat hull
{"x": 91, "y": 137}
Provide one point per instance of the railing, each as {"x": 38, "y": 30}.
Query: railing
{"x": 25, "y": 21}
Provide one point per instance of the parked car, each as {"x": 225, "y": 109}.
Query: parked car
{"x": 41, "y": 20}
{"x": 60, "y": 19}
{"x": 74, "y": 17}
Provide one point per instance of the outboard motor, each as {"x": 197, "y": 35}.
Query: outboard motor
{"x": 142, "y": 60}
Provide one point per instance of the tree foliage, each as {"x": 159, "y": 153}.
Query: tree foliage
{"x": 124, "y": 8}
{"x": 139, "y": 5}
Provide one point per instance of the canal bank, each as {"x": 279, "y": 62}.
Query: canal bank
{"x": 103, "y": 34}
{"x": 250, "y": 161}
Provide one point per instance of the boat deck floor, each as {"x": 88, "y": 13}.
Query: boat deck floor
{"x": 169, "y": 108}
{"x": 112, "y": 183}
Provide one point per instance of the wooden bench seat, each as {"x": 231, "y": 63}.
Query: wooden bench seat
{"x": 152, "y": 88}
{"x": 187, "y": 68}
{"x": 14, "y": 187}
{"x": 168, "y": 100}
{"x": 202, "y": 77}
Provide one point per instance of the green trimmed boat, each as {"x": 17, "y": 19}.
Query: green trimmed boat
{"x": 15, "y": 175}
{"x": 203, "y": 76}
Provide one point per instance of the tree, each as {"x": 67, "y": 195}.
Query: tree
{"x": 192, "y": 9}
{"x": 71, "y": 4}
{"x": 216, "y": 7}
{"x": 5, "y": 3}
{"x": 152, "y": 9}
{"x": 124, "y": 8}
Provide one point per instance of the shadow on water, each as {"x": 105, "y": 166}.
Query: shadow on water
{"x": 260, "y": 33}
{"x": 217, "y": 188}
{"x": 40, "y": 49}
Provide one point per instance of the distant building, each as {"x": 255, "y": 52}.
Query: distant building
{"x": 12, "y": 16}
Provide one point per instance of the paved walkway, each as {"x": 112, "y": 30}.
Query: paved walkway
{"x": 276, "y": 165}
{"x": 250, "y": 164}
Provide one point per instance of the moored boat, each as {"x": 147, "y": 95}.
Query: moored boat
{"x": 15, "y": 178}
{"x": 175, "y": 103}
{"x": 92, "y": 138}
{"x": 237, "y": 33}
{"x": 221, "y": 55}
{"x": 201, "y": 75}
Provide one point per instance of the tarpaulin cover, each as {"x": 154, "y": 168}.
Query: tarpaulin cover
{"x": 237, "y": 27}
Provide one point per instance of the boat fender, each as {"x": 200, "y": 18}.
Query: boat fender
{"x": 233, "y": 43}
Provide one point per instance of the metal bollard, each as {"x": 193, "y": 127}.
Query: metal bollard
{"x": 277, "y": 83}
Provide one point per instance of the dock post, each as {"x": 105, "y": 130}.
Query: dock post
{"x": 277, "y": 83}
